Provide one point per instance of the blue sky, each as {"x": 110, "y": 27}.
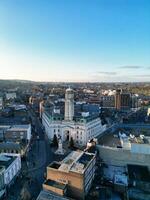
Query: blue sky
{"x": 75, "y": 40}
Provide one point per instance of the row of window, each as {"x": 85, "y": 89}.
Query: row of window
{"x": 11, "y": 173}
{"x": 9, "y": 151}
{"x": 79, "y": 137}
{"x": 56, "y": 130}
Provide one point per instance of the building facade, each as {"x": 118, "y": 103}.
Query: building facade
{"x": 74, "y": 175}
{"x": 69, "y": 105}
{"x": 18, "y": 133}
{"x": 11, "y": 95}
{"x": 108, "y": 101}
{"x": 80, "y": 128}
{"x": 1, "y": 103}
{"x": 12, "y": 165}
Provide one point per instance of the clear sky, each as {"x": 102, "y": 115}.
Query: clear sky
{"x": 75, "y": 40}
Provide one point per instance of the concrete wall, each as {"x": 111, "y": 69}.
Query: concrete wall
{"x": 120, "y": 157}
{"x": 54, "y": 189}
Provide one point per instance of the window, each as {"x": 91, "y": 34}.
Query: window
{"x": 54, "y": 130}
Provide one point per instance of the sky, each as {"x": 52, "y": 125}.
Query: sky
{"x": 75, "y": 40}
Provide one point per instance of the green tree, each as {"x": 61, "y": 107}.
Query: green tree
{"x": 55, "y": 141}
{"x": 71, "y": 143}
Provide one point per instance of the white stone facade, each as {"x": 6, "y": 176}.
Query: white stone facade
{"x": 11, "y": 95}
{"x": 13, "y": 169}
{"x": 81, "y": 132}
{"x": 69, "y": 105}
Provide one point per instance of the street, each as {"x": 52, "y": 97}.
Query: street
{"x": 38, "y": 156}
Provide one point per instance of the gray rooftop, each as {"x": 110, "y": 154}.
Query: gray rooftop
{"x": 46, "y": 195}
{"x": 76, "y": 162}
{"x": 6, "y": 160}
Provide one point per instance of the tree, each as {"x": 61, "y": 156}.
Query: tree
{"x": 25, "y": 194}
{"x": 71, "y": 143}
{"x": 55, "y": 141}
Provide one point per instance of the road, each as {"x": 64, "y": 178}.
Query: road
{"x": 39, "y": 155}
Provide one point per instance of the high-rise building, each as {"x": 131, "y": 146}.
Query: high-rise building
{"x": 125, "y": 100}
{"x": 108, "y": 101}
{"x": 122, "y": 100}
{"x": 69, "y": 105}
{"x": 118, "y": 99}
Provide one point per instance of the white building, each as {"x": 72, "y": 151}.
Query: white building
{"x": 1, "y": 103}
{"x": 11, "y": 95}
{"x": 69, "y": 105}
{"x": 17, "y": 133}
{"x": 148, "y": 112}
{"x": 138, "y": 145}
{"x": 12, "y": 165}
{"x": 141, "y": 146}
{"x": 81, "y": 128}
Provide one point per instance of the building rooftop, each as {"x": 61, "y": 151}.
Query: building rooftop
{"x": 79, "y": 112}
{"x": 55, "y": 184}
{"x": 76, "y": 162}
{"x": 6, "y": 160}
{"x": 11, "y": 146}
{"x": 138, "y": 173}
{"x": 113, "y": 139}
{"x": 12, "y": 120}
{"x": 140, "y": 139}
{"x": 46, "y": 195}
{"x": 19, "y": 127}
{"x": 78, "y": 117}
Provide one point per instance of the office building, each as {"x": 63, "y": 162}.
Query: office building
{"x": 73, "y": 176}
{"x": 18, "y": 133}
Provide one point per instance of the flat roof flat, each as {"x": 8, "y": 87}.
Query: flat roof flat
{"x": 110, "y": 139}
{"x": 55, "y": 184}
{"x": 6, "y": 160}
{"x": 46, "y": 195}
{"x": 139, "y": 173}
{"x": 76, "y": 161}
